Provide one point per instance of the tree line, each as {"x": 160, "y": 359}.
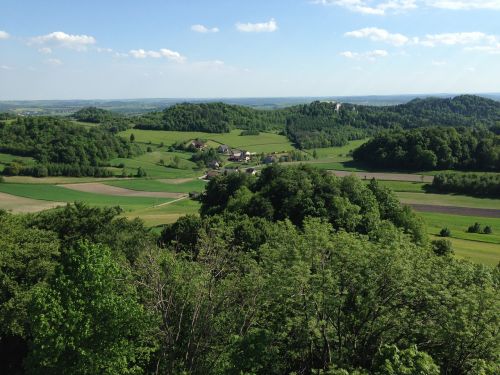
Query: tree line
{"x": 480, "y": 185}
{"x": 432, "y": 148}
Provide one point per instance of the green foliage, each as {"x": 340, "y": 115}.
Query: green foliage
{"x": 295, "y": 193}
{"x": 445, "y": 232}
{"x": 88, "y": 320}
{"x": 60, "y": 147}
{"x": 432, "y": 148}
{"x": 392, "y": 361}
{"x": 476, "y": 228}
{"x": 487, "y": 230}
{"x": 94, "y": 115}
{"x": 481, "y": 185}
{"x": 213, "y": 118}
{"x": 442, "y": 247}
{"x": 141, "y": 172}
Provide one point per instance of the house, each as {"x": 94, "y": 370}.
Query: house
{"x": 214, "y": 164}
{"x": 269, "y": 159}
{"x": 224, "y": 149}
{"x": 211, "y": 175}
{"x": 251, "y": 171}
{"x": 197, "y": 144}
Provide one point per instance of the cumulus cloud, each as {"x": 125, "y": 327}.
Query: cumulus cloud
{"x": 4, "y": 35}
{"x": 370, "y": 55}
{"x": 465, "y": 4}
{"x": 452, "y": 39}
{"x": 369, "y": 7}
{"x": 379, "y": 35}
{"x": 203, "y": 29}
{"x": 262, "y": 27}
{"x": 383, "y": 7}
{"x": 53, "y": 62}
{"x": 61, "y": 39}
{"x": 163, "y": 52}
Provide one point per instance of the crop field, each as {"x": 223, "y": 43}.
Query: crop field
{"x": 482, "y": 248}
{"x": 61, "y": 194}
{"x": 195, "y": 185}
{"x": 448, "y": 200}
{"x": 166, "y": 214}
{"x": 152, "y": 170}
{"x": 262, "y": 143}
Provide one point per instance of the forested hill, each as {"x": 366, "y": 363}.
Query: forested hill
{"x": 323, "y": 124}
{"x": 212, "y": 118}
{"x": 61, "y": 147}
{"x": 95, "y": 115}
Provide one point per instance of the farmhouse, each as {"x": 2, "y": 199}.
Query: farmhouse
{"x": 224, "y": 149}
{"x": 199, "y": 145}
{"x": 214, "y": 164}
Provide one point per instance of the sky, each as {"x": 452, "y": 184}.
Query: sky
{"x": 110, "y": 49}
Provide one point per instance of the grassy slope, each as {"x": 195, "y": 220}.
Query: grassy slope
{"x": 264, "y": 142}
{"x": 61, "y": 194}
{"x": 155, "y": 185}
{"x": 154, "y": 216}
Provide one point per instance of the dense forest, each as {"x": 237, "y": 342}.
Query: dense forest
{"x": 480, "y": 185}
{"x": 213, "y": 118}
{"x": 323, "y": 124}
{"x": 432, "y": 148}
{"x": 60, "y": 147}
{"x": 287, "y": 287}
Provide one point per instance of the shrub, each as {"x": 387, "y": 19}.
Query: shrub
{"x": 476, "y": 228}
{"x": 442, "y": 247}
{"x": 445, "y": 232}
{"x": 487, "y": 230}
{"x": 149, "y": 149}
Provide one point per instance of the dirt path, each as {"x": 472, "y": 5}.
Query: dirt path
{"x": 167, "y": 203}
{"x": 98, "y": 188}
{"x": 176, "y": 181}
{"x": 23, "y": 205}
{"x": 453, "y": 210}
{"x": 385, "y": 176}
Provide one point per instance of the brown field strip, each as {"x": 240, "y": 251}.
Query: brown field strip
{"x": 23, "y": 205}
{"x": 385, "y": 176}
{"x": 98, "y": 188}
{"x": 453, "y": 210}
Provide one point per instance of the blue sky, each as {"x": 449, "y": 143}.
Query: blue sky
{"x": 257, "y": 48}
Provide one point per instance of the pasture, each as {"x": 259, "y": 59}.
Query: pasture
{"x": 195, "y": 185}
{"x": 262, "y": 143}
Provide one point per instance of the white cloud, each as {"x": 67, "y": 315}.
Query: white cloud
{"x": 368, "y": 7}
{"x": 452, "y": 39}
{"x": 268, "y": 27}
{"x": 61, "y": 39}
{"x": 53, "y": 62}
{"x": 45, "y": 50}
{"x": 370, "y": 55}
{"x": 491, "y": 49}
{"x": 4, "y": 35}
{"x": 204, "y": 30}
{"x": 6, "y": 67}
{"x": 438, "y": 63}
{"x": 379, "y": 35}
{"x": 464, "y": 4}
{"x": 164, "y": 52}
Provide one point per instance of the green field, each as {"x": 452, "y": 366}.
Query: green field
{"x": 338, "y": 153}
{"x": 152, "y": 170}
{"x": 61, "y": 194}
{"x": 403, "y": 186}
{"x": 162, "y": 186}
{"x": 262, "y": 143}
{"x": 154, "y": 216}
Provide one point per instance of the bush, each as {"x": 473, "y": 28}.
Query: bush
{"x": 476, "y": 228}
{"x": 442, "y": 247}
{"x": 487, "y": 230}
{"x": 445, "y": 232}
{"x": 149, "y": 149}
{"x": 2, "y": 179}
{"x": 141, "y": 172}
